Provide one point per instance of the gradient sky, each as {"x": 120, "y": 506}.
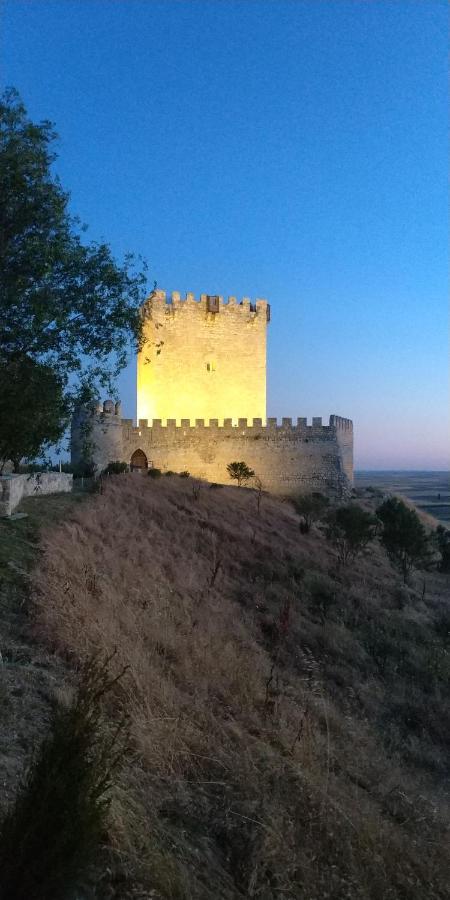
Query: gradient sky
{"x": 289, "y": 150}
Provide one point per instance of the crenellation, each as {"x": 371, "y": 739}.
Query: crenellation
{"x": 201, "y": 360}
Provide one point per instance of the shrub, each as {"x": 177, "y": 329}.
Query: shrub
{"x": 240, "y": 472}
{"x": 323, "y": 594}
{"x": 442, "y": 540}
{"x": 83, "y": 470}
{"x": 403, "y": 536}
{"x": 310, "y": 507}
{"x": 184, "y": 474}
{"x": 50, "y": 835}
{"x": 169, "y": 472}
{"x": 115, "y": 467}
{"x": 350, "y": 529}
{"x": 154, "y": 473}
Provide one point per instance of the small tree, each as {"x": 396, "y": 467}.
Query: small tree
{"x": 403, "y": 536}
{"x": 240, "y": 472}
{"x": 259, "y": 492}
{"x": 310, "y": 507}
{"x": 350, "y": 528}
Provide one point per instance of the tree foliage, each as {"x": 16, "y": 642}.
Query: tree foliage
{"x": 63, "y": 303}
{"x": 442, "y": 541}
{"x": 350, "y": 528}
{"x": 310, "y": 507}
{"x": 240, "y": 472}
{"x": 52, "y": 832}
{"x": 403, "y": 536}
{"x": 33, "y": 408}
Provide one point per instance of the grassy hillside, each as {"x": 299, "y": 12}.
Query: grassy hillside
{"x": 289, "y": 717}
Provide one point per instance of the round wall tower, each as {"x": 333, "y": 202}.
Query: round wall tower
{"x": 96, "y": 435}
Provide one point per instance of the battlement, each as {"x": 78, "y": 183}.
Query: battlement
{"x": 289, "y": 455}
{"x": 300, "y": 426}
{"x": 112, "y": 408}
{"x": 207, "y": 303}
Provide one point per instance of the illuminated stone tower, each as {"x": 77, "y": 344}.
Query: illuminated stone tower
{"x": 202, "y": 359}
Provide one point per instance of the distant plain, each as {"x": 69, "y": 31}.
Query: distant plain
{"x": 429, "y": 491}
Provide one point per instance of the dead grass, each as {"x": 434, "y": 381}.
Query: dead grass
{"x": 283, "y": 747}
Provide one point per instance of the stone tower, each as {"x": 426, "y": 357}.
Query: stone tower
{"x": 202, "y": 359}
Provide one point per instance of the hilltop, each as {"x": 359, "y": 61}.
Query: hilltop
{"x": 288, "y": 716}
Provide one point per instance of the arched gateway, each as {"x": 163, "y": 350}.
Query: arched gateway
{"x": 138, "y": 461}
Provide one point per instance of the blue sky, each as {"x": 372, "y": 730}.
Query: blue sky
{"x": 289, "y": 150}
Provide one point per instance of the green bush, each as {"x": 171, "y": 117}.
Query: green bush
{"x": 83, "y": 470}
{"x": 51, "y": 834}
{"x": 169, "y": 472}
{"x": 323, "y": 594}
{"x": 116, "y": 467}
{"x": 310, "y": 507}
{"x": 184, "y": 474}
{"x": 403, "y": 536}
{"x": 442, "y": 541}
{"x": 154, "y": 473}
{"x": 350, "y": 528}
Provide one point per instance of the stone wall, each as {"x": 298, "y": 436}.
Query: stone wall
{"x": 197, "y": 363}
{"x": 289, "y": 458}
{"x": 14, "y": 487}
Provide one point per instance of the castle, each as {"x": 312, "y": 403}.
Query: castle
{"x": 201, "y": 400}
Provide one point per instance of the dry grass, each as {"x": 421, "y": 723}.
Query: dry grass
{"x": 281, "y": 748}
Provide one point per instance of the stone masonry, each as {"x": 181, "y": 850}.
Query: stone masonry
{"x": 202, "y": 359}
{"x": 212, "y": 372}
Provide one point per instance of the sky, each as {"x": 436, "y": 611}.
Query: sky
{"x": 295, "y": 151}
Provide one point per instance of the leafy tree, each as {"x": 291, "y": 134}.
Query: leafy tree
{"x": 350, "y": 528}
{"x": 403, "y": 536}
{"x": 33, "y": 408}
{"x": 240, "y": 472}
{"x": 310, "y": 507}
{"x": 63, "y": 303}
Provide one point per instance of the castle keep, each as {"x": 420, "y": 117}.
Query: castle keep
{"x": 201, "y": 398}
{"x": 202, "y": 359}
